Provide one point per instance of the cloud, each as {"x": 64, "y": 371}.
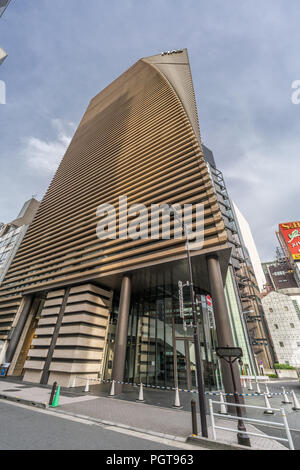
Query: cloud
{"x": 43, "y": 155}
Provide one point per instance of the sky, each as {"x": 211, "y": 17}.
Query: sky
{"x": 244, "y": 58}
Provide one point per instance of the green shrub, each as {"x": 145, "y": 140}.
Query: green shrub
{"x": 272, "y": 376}
{"x": 284, "y": 366}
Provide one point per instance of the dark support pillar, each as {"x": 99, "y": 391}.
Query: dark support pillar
{"x": 121, "y": 334}
{"x": 224, "y": 334}
{"x": 16, "y": 334}
{"x": 46, "y": 369}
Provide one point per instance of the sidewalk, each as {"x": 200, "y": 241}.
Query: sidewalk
{"x": 155, "y": 420}
{"x": 38, "y": 395}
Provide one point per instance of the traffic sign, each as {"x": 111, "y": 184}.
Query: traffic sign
{"x": 229, "y": 352}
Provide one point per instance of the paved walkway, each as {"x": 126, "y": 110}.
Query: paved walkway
{"x": 152, "y": 419}
{"x": 162, "y": 420}
{"x": 38, "y": 394}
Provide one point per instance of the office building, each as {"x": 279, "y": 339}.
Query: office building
{"x": 284, "y": 325}
{"x": 78, "y": 304}
{"x": 11, "y": 236}
{"x": 248, "y": 324}
{"x": 3, "y": 6}
{"x": 249, "y": 246}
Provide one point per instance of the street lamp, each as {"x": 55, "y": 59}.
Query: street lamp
{"x": 201, "y": 390}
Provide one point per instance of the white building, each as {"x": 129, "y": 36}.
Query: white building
{"x": 284, "y": 325}
{"x": 3, "y": 5}
{"x": 249, "y": 244}
{"x": 11, "y": 235}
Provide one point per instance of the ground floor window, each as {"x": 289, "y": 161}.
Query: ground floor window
{"x": 160, "y": 349}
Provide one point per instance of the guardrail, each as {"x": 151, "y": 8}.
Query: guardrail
{"x": 284, "y": 425}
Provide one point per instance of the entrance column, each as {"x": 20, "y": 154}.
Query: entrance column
{"x": 224, "y": 333}
{"x": 121, "y": 334}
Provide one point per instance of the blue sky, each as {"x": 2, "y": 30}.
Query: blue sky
{"x": 244, "y": 57}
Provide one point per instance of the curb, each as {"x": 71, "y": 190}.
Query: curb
{"x": 23, "y": 401}
{"x": 197, "y": 441}
{"x": 216, "y": 445}
{"x": 124, "y": 426}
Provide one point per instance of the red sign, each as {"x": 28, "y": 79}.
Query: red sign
{"x": 290, "y": 233}
{"x": 208, "y": 301}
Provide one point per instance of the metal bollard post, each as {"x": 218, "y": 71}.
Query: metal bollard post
{"x": 194, "y": 418}
{"x": 287, "y": 429}
{"x": 52, "y": 392}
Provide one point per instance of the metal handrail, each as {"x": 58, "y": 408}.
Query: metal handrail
{"x": 251, "y": 420}
{"x": 248, "y": 406}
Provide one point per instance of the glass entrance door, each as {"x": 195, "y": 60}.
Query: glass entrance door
{"x": 186, "y": 364}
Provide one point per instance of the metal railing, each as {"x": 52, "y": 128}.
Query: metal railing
{"x": 284, "y": 425}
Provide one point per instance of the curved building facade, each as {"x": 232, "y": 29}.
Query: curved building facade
{"x": 75, "y": 304}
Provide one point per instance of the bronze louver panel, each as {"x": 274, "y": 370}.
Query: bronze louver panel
{"x": 138, "y": 138}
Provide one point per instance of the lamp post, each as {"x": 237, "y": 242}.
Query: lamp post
{"x": 230, "y": 355}
{"x": 199, "y": 372}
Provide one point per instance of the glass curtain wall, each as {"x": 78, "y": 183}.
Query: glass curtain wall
{"x": 160, "y": 349}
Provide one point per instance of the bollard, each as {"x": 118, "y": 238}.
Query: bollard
{"x": 73, "y": 383}
{"x": 55, "y": 402}
{"x": 141, "y": 394}
{"x": 52, "y": 393}
{"x": 223, "y": 408}
{"x": 177, "y": 400}
{"x": 296, "y": 405}
{"x": 257, "y": 387}
{"x": 87, "y": 386}
{"x": 194, "y": 418}
{"x": 285, "y": 398}
{"x": 268, "y": 392}
{"x": 268, "y": 411}
{"x": 250, "y": 385}
{"x": 112, "y": 389}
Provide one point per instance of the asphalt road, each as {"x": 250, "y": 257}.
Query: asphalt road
{"x": 23, "y": 428}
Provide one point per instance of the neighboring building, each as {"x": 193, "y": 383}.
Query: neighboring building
{"x": 11, "y": 236}
{"x": 251, "y": 280}
{"x": 289, "y": 237}
{"x": 249, "y": 246}
{"x": 251, "y": 311}
{"x": 3, "y": 6}
{"x": 282, "y": 280}
{"x": 232, "y": 283}
{"x": 3, "y": 55}
{"x": 284, "y": 325}
{"x": 77, "y": 304}
{"x": 279, "y": 275}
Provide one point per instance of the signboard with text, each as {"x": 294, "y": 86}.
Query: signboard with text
{"x": 290, "y": 235}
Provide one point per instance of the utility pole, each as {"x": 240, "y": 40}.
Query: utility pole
{"x": 199, "y": 371}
